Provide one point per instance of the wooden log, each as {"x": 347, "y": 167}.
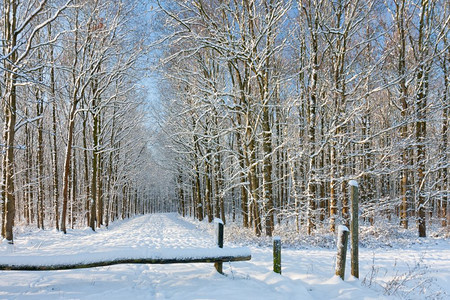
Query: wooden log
{"x": 341, "y": 251}
{"x": 218, "y": 224}
{"x": 354, "y": 228}
{"x": 206, "y": 259}
{"x": 277, "y": 254}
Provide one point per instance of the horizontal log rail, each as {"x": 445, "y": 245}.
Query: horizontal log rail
{"x": 211, "y": 259}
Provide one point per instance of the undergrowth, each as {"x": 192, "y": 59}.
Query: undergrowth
{"x": 416, "y": 281}
{"x": 382, "y": 234}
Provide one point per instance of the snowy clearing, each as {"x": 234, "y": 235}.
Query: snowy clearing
{"x": 422, "y": 271}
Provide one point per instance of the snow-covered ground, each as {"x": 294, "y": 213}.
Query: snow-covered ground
{"x": 421, "y": 271}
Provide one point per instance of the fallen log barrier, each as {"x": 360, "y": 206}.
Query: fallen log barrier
{"x": 175, "y": 260}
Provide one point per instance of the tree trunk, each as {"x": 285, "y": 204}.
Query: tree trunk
{"x": 445, "y": 131}
{"x": 267, "y": 170}
{"x": 10, "y": 122}
{"x": 29, "y": 166}
{"x": 73, "y": 198}
{"x": 40, "y": 157}
{"x": 95, "y": 164}
{"x": 243, "y": 176}
{"x": 67, "y": 163}
{"x": 86, "y": 171}
{"x": 404, "y": 181}
{"x": 10, "y": 110}
{"x": 421, "y": 107}
{"x": 198, "y": 195}
{"x": 208, "y": 189}
{"x": 333, "y": 199}
{"x": 182, "y": 208}
{"x": 54, "y": 144}
{"x": 311, "y": 120}
{"x": 254, "y": 188}
{"x": 100, "y": 189}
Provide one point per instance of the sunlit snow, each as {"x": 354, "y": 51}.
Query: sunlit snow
{"x": 307, "y": 273}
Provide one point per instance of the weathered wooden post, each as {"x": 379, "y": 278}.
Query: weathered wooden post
{"x": 218, "y": 224}
{"x": 277, "y": 254}
{"x": 342, "y": 242}
{"x": 354, "y": 228}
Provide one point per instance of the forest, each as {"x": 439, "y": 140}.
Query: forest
{"x": 273, "y": 106}
{"x": 261, "y": 113}
{"x": 73, "y": 136}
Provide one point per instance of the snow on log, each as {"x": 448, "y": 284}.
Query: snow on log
{"x": 167, "y": 256}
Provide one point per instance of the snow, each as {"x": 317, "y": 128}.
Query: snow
{"x": 353, "y": 183}
{"x": 342, "y": 228}
{"x": 218, "y": 221}
{"x": 420, "y": 271}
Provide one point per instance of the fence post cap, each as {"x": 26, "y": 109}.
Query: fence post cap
{"x": 342, "y": 228}
{"x": 218, "y": 221}
{"x": 353, "y": 183}
{"x": 276, "y": 238}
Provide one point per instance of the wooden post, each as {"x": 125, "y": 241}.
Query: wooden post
{"x": 277, "y": 254}
{"x": 218, "y": 224}
{"x": 341, "y": 250}
{"x": 354, "y": 228}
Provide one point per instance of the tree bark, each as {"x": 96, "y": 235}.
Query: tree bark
{"x": 10, "y": 110}
{"x": 40, "y": 154}
{"x": 67, "y": 163}
{"x": 445, "y": 132}
{"x": 401, "y": 69}
{"x": 54, "y": 138}
{"x": 421, "y": 107}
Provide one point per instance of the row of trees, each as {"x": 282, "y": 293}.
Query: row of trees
{"x": 74, "y": 145}
{"x": 275, "y": 105}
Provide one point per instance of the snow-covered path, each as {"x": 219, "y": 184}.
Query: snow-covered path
{"x": 307, "y": 274}
{"x": 158, "y": 236}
